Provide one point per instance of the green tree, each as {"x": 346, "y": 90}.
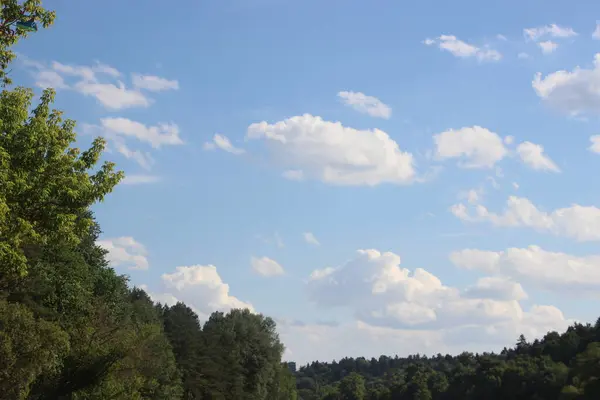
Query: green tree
{"x": 46, "y": 186}
{"x": 352, "y": 387}
{"x": 28, "y": 348}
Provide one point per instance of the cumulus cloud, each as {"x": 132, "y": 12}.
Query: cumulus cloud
{"x": 333, "y": 153}
{"x": 552, "y": 30}
{"x": 154, "y": 83}
{"x": 222, "y": 142}
{"x": 496, "y": 288}
{"x": 579, "y": 222}
{"x": 366, "y": 104}
{"x": 475, "y": 147}
{"x": 533, "y": 155}
{"x": 462, "y": 49}
{"x": 548, "y": 46}
{"x": 573, "y": 92}
{"x": 549, "y": 270}
{"x": 200, "y": 287}
{"x": 382, "y": 293}
{"x": 310, "y": 238}
{"x": 266, "y": 266}
{"x": 125, "y": 252}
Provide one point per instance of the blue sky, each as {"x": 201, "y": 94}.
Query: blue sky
{"x": 400, "y": 135}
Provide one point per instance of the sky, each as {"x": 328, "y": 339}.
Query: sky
{"x": 380, "y": 177}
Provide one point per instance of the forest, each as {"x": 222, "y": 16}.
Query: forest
{"x": 72, "y": 328}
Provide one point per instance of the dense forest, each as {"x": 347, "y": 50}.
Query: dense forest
{"x": 559, "y": 366}
{"x": 72, "y": 328}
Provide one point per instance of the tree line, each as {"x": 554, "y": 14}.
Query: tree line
{"x": 558, "y": 366}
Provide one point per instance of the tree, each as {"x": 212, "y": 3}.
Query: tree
{"x": 184, "y": 333}
{"x": 12, "y": 12}
{"x": 47, "y": 186}
{"x": 28, "y": 348}
{"x": 352, "y": 387}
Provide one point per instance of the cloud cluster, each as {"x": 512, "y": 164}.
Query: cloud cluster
{"x": 552, "y": 30}
{"x": 100, "y": 81}
{"x": 386, "y": 297}
{"x": 549, "y": 270}
{"x": 578, "y": 222}
{"x": 333, "y": 153}
{"x": 478, "y": 147}
{"x": 462, "y": 49}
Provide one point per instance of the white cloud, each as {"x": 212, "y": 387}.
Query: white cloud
{"x": 572, "y": 92}
{"x": 366, "y": 104}
{"x": 111, "y": 96}
{"x": 548, "y": 46}
{"x": 310, "y": 238}
{"x": 157, "y": 136}
{"x": 200, "y": 287}
{"x": 477, "y": 147}
{"x": 595, "y": 147}
{"x": 154, "y": 83}
{"x": 119, "y": 130}
{"x": 462, "y": 49}
{"x": 515, "y": 185}
{"x": 536, "y": 266}
{"x": 579, "y": 222}
{"x": 114, "y": 96}
{"x": 533, "y": 155}
{"x": 552, "y": 30}
{"x": 333, "y": 153}
{"x": 143, "y": 159}
{"x": 222, "y": 142}
{"x": 496, "y": 288}
{"x": 139, "y": 179}
{"x": 391, "y": 303}
{"x": 523, "y": 55}
{"x": 596, "y": 33}
{"x": 99, "y": 81}
{"x": 125, "y": 252}
{"x": 266, "y": 267}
